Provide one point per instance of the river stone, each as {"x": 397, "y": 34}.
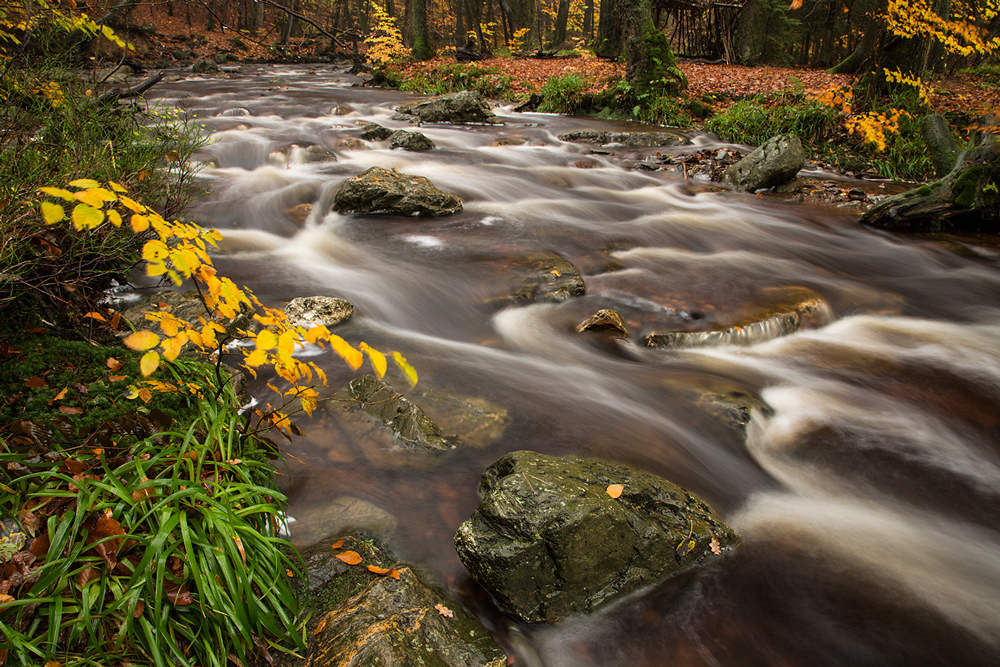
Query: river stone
{"x": 359, "y": 618}
{"x": 605, "y": 321}
{"x": 379, "y": 190}
{"x": 466, "y": 106}
{"x": 410, "y": 141}
{"x": 374, "y": 131}
{"x": 967, "y": 199}
{"x": 548, "y": 541}
{"x": 536, "y": 277}
{"x": 311, "y": 311}
{"x": 342, "y": 515}
{"x": 632, "y": 139}
{"x": 781, "y": 311}
{"x": 774, "y": 163}
{"x": 316, "y": 153}
{"x": 205, "y": 66}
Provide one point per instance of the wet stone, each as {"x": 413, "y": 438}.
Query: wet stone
{"x": 410, "y": 141}
{"x": 344, "y": 514}
{"x": 379, "y": 190}
{"x": 310, "y": 311}
{"x": 533, "y": 278}
{"x": 776, "y": 162}
{"x": 317, "y": 153}
{"x": 605, "y": 321}
{"x": 466, "y": 106}
{"x": 631, "y": 139}
{"x": 374, "y": 131}
{"x": 549, "y": 540}
{"x": 361, "y": 618}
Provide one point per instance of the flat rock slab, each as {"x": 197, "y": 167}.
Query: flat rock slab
{"x": 532, "y": 278}
{"x": 631, "y": 139}
{"x": 378, "y": 190}
{"x": 558, "y": 536}
{"x": 392, "y": 616}
{"x": 344, "y": 514}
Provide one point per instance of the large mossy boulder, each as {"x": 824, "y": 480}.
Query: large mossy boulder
{"x": 556, "y": 536}
{"x": 466, "y": 106}
{"x": 776, "y": 162}
{"x": 390, "y": 615}
{"x": 966, "y": 200}
{"x": 378, "y": 190}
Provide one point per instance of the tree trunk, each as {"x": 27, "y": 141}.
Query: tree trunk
{"x": 588, "y": 20}
{"x": 461, "y": 36}
{"x": 522, "y": 14}
{"x": 562, "y": 19}
{"x": 421, "y": 41}
{"x": 649, "y": 62}
{"x": 749, "y": 36}
{"x": 610, "y": 29}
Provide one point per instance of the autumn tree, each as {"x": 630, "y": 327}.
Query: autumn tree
{"x": 421, "y": 42}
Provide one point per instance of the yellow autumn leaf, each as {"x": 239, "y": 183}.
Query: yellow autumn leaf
{"x": 115, "y": 218}
{"x": 376, "y": 357}
{"x": 409, "y": 371}
{"x": 141, "y": 340}
{"x": 86, "y": 216}
{"x": 266, "y": 340}
{"x": 116, "y": 187}
{"x": 349, "y": 557}
{"x": 139, "y": 222}
{"x": 96, "y": 196}
{"x": 353, "y": 357}
{"x": 149, "y": 363}
{"x": 59, "y": 192}
{"x": 85, "y": 183}
{"x": 172, "y": 346}
{"x": 52, "y": 213}
{"x": 256, "y": 358}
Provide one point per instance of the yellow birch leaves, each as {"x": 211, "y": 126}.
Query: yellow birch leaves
{"x": 179, "y": 251}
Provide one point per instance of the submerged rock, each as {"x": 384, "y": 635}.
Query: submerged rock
{"x": 379, "y": 190}
{"x": 554, "y": 536}
{"x": 391, "y": 615}
{"x": 774, "y": 163}
{"x": 344, "y": 514}
{"x": 410, "y": 141}
{"x": 533, "y": 278}
{"x": 967, "y": 199}
{"x": 205, "y": 66}
{"x": 782, "y": 312}
{"x": 632, "y": 139}
{"x": 410, "y": 424}
{"x": 466, "y": 106}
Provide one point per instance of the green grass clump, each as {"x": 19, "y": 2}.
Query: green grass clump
{"x": 163, "y": 551}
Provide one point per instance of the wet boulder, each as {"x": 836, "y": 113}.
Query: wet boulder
{"x": 558, "y": 536}
{"x": 316, "y": 153}
{"x": 342, "y": 515}
{"x": 774, "y": 163}
{"x": 466, "y": 106}
{"x": 390, "y": 614}
{"x": 205, "y": 66}
{"x": 374, "y": 131}
{"x": 379, "y": 190}
{"x": 311, "y": 311}
{"x": 605, "y": 321}
{"x": 410, "y": 141}
{"x": 966, "y": 200}
{"x": 410, "y": 425}
{"x": 631, "y": 139}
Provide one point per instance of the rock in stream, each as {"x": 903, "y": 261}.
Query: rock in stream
{"x": 549, "y": 540}
{"x": 378, "y": 190}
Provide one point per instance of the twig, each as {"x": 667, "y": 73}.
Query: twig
{"x": 139, "y": 89}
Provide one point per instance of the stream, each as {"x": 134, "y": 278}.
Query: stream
{"x": 866, "y": 484}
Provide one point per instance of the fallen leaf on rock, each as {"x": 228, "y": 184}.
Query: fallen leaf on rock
{"x": 615, "y": 490}
{"x": 350, "y": 557}
{"x": 715, "y": 546}
{"x": 384, "y": 571}
{"x": 339, "y": 544}
{"x": 113, "y": 364}
{"x": 320, "y": 626}
{"x": 444, "y": 611}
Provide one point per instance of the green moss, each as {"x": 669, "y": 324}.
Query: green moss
{"x": 924, "y": 190}
{"x": 969, "y": 188}
{"x": 658, "y": 72}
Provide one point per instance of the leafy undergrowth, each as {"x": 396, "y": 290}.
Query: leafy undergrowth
{"x": 143, "y": 538}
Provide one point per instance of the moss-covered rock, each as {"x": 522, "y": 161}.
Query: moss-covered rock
{"x": 966, "y": 200}
{"x": 552, "y": 537}
{"x": 378, "y": 190}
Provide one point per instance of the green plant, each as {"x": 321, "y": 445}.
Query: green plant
{"x": 563, "y": 94}
{"x": 161, "y": 549}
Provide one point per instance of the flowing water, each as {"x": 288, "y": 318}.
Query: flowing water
{"x": 867, "y": 482}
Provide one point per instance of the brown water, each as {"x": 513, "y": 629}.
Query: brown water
{"x": 868, "y": 494}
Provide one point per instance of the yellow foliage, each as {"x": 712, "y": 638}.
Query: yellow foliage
{"x": 517, "y": 40}
{"x": 873, "y": 126}
{"x": 179, "y": 251}
{"x": 385, "y": 44}
{"x": 963, "y": 33}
